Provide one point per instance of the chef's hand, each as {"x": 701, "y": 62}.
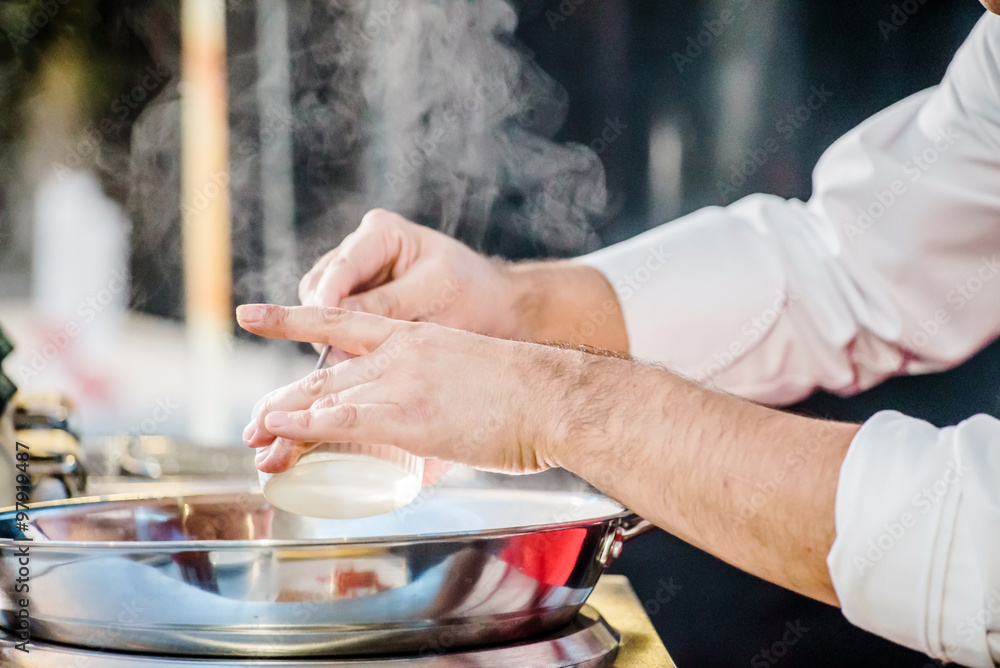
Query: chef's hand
{"x": 431, "y": 390}
{"x": 398, "y": 269}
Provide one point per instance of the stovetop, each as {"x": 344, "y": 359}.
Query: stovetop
{"x": 589, "y": 641}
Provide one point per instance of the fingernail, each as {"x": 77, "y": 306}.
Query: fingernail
{"x": 250, "y": 313}
{"x": 249, "y": 432}
{"x": 277, "y": 420}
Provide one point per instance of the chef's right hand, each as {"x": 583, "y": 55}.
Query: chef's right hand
{"x": 397, "y": 269}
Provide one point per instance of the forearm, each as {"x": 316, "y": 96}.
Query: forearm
{"x": 751, "y": 485}
{"x": 572, "y": 303}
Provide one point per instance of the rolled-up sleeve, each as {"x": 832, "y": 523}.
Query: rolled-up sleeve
{"x": 892, "y": 267}
{"x": 917, "y": 554}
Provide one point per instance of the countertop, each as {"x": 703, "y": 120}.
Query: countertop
{"x": 641, "y": 646}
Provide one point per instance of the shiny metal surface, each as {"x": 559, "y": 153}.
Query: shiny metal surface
{"x": 138, "y": 457}
{"x": 170, "y": 486}
{"x": 586, "y": 642}
{"x": 228, "y": 575}
{"x": 42, "y": 423}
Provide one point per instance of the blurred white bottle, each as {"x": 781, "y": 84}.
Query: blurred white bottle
{"x": 80, "y": 292}
{"x": 80, "y": 268}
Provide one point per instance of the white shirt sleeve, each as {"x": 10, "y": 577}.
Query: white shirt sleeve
{"x": 892, "y": 267}
{"x": 917, "y": 553}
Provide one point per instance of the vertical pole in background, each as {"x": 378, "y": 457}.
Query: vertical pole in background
{"x": 206, "y": 218}
{"x": 277, "y": 195}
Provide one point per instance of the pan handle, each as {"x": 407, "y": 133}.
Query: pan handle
{"x": 630, "y": 527}
{"x": 633, "y": 526}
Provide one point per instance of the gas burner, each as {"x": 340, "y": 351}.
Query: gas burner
{"x": 588, "y": 641}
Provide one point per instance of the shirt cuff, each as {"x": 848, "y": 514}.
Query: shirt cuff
{"x": 701, "y": 292}
{"x": 918, "y": 533}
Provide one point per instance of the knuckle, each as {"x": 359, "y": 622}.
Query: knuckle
{"x": 374, "y": 365}
{"x": 329, "y": 316}
{"x": 418, "y": 335}
{"x": 266, "y": 405}
{"x": 387, "y": 302}
{"x": 278, "y": 316}
{"x": 414, "y": 330}
{"x": 347, "y": 416}
{"x": 304, "y": 419}
{"x": 314, "y": 384}
{"x": 328, "y": 401}
{"x": 376, "y": 218}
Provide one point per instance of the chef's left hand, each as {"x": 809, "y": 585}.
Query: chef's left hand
{"x": 431, "y": 390}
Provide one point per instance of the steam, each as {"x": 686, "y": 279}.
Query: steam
{"x": 428, "y": 108}
{"x": 464, "y": 120}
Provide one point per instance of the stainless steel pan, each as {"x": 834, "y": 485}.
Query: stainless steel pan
{"x": 228, "y": 574}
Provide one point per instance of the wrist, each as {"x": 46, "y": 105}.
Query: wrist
{"x": 568, "y": 302}
{"x": 529, "y": 287}
{"x": 552, "y": 408}
{"x": 601, "y": 413}
{"x": 577, "y": 411}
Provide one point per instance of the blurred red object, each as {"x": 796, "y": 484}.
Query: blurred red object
{"x": 548, "y": 557}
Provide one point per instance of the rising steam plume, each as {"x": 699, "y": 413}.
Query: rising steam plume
{"x": 430, "y": 108}
{"x": 464, "y": 121}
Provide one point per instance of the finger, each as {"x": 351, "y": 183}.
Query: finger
{"x": 365, "y": 258}
{"x": 332, "y": 385}
{"x": 284, "y": 454}
{"x": 358, "y": 333}
{"x": 383, "y": 300}
{"x": 356, "y": 423}
{"x": 309, "y": 282}
{"x": 318, "y": 384}
{"x": 281, "y": 455}
{"x": 413, "y": 296}
{"x": 336, "y": 355}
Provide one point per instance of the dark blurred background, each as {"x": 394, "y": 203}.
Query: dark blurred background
{"x": 672, "y": 96}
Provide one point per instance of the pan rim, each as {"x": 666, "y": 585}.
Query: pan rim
{"x": 398, "y": 540}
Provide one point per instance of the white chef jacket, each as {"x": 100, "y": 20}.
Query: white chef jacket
{"x": 893, "y": 267}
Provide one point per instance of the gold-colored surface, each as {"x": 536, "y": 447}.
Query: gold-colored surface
{"x": 331, "y": 553}
{"x": 641, "y": 646}
{"x": 48, "y": 442}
